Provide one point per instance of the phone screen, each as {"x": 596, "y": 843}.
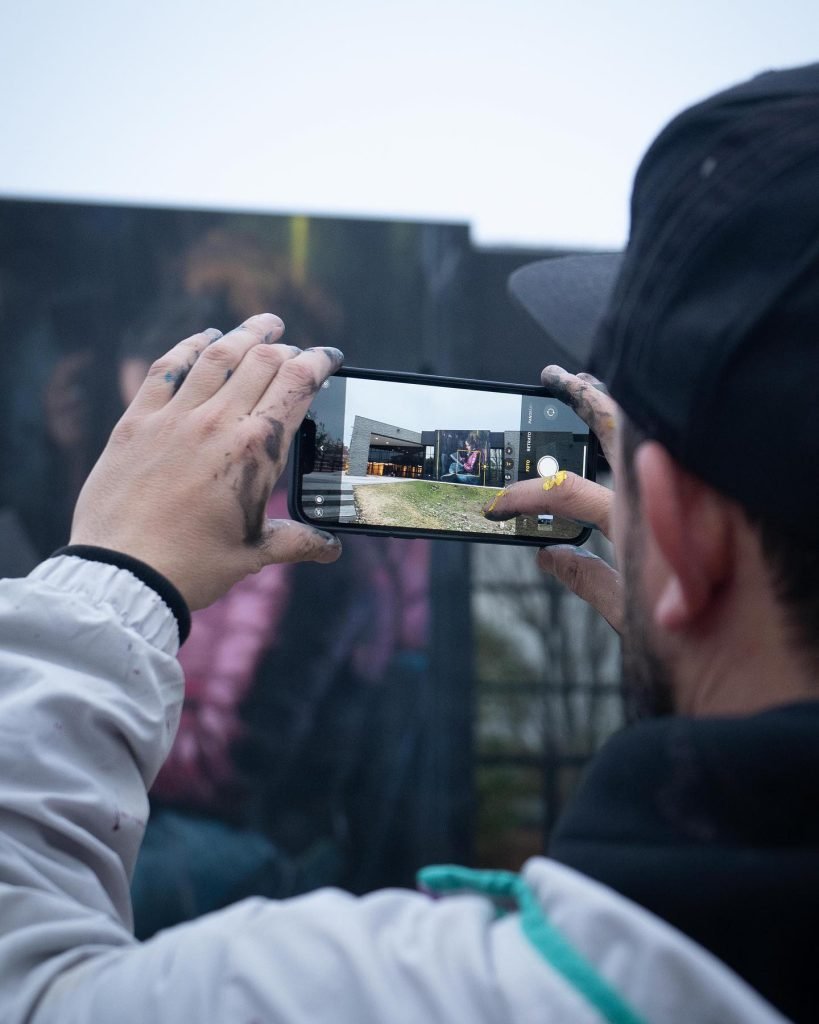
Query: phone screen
{"x": 412, "y": 456}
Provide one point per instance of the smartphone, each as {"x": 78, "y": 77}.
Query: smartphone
{"x": 409, "y": 455}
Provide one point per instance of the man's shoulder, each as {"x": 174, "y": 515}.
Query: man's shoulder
{"x": 653, "y": 966}
{"x": 710, "y": 824}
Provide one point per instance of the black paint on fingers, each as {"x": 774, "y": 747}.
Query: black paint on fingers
{"x": 274, "y": 438}
{"x": 178, "y": 378}
{"x": 335, "y": 355}
{"x": 302, "y": 394}
{"x": 598, "y": 385}
{"x": 250, "y": 488}
{"x": 587, "y": 397}
{"x": 574, "y": 395}
{"x": 252, "y": 503}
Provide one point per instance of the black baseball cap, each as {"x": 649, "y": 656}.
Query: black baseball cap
{"x": 706, "y": 330}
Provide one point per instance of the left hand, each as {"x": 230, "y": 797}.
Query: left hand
{"x": 574, "y": 497}
{"x": 185, "y": 477}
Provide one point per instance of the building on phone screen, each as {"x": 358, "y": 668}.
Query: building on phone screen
{"x": 452, "y": 456}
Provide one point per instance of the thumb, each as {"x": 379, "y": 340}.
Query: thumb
{"x": 286, "y": 541}
{"x": 588, "y": 576}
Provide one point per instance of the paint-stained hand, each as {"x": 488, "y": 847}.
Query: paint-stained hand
{"x": 184, "y": 480}
{"x": 573, "y": 497}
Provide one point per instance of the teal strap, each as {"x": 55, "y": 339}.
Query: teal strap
{"x": 509, "y": 892}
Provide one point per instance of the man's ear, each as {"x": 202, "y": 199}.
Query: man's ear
{"x": 691, "y": 530}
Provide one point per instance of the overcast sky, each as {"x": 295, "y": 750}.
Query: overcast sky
{"x": 425, "y": 407}
{"x": 422, "y": 407}
{"x": 525, "y": 119}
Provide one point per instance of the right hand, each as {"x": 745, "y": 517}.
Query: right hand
{"x": 574, "y": 497}
{"x": 184, "y": 481}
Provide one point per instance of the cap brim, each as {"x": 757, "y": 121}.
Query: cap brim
{"x": 568, "y": 296}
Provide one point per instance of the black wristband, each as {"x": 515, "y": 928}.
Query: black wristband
{"x": 149, "y": 576}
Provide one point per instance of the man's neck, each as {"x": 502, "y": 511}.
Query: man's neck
{"x": 743, "y": 657}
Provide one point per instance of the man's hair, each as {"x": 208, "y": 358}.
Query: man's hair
{"x": 792, "y": 562}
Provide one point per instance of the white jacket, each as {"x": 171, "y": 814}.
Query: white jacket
{"x": 90, "y": 696}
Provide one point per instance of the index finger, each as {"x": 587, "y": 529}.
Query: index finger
{"x": 564, "y": 494}
{"x": 285, "y": 401}
{"x": 583, "y": 394}
{"x": 293, "y": 387}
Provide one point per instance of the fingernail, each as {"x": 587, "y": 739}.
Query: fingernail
{"x": 330, "y": 539}
{"x": 489, "y": 510}
{"x": 491, "y": 506}
{"x": 335, "y": 354}
{"x": 554, "y": 481}
{"x": 213, "y": 333}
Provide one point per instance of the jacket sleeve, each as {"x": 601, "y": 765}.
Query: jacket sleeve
{"x": 90, "y": 694}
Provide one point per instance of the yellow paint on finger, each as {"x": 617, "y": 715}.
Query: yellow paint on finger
{"x": 491, "y": 506}
{"x": 554, "y": 481}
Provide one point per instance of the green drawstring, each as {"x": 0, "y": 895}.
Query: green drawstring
{"x": 509, "y": 893}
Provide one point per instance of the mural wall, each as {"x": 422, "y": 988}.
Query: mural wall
{"x": 344, "y": 724}
{"x": 293, "y": 766}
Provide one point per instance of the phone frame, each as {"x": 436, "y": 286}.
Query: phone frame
{"x": 408, "y": 532}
